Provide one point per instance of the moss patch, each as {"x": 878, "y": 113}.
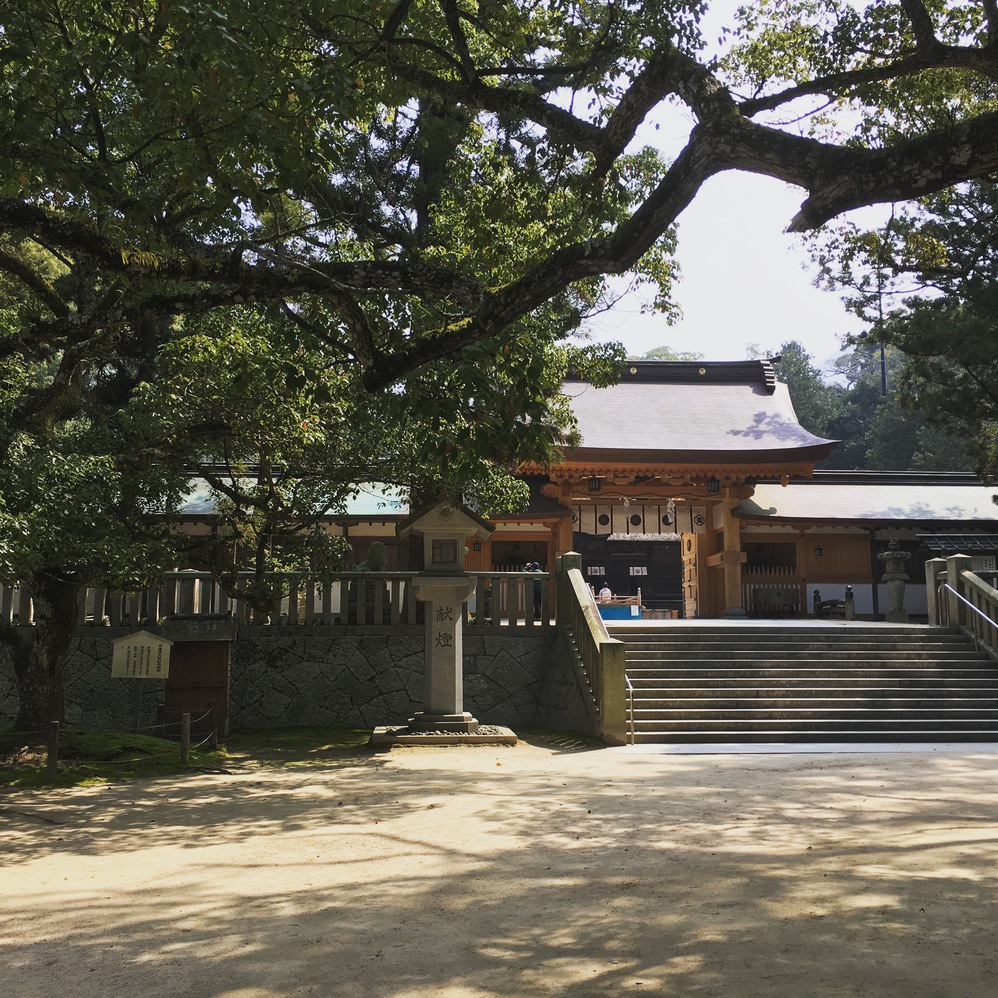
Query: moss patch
{"x": 88, "y": 757}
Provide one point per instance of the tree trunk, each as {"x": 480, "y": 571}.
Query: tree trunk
{"x": 40, "y": 652}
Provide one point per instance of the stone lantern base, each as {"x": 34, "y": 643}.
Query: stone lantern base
{"x": 388, "y": 736}
{"x": 463, "y": 722}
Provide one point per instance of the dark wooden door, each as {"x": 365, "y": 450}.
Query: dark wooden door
{"x": 198, "y": 684}
{"x": 654, "y": 567}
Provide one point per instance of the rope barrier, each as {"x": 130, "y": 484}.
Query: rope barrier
{"x": 103, "y": 763}
{"x": 163, "y": 725}
{"x": 43, "y": 732}
{"x": 51, "y": 734}
{"x": 30, "y": 731}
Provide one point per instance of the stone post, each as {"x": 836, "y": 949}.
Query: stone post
{"x": 613, "y": 696}
{"x": 956, "y": 565}
{"x": 934, "y": 569}
{"x": 564, "y": 563}
{"x": 850, "y": 604}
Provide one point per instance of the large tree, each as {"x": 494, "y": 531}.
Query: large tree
{"x": 414, "y": 201}
{"x": 427, "y": 173}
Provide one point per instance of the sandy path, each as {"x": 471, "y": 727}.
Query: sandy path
{"x": 516, "y": 872}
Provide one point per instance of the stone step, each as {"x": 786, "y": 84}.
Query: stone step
{"x": 795, "y": 640}
{"x": 803, "y": 672}
{"x": 679, "y": 647}
{"x": 818, "y": 706}
{"x": 837, "y": 735}
{"x": 806, "y": 663}
{"x": 816, "y": 719}
{"x": 720, "y": 683}
{"x": 806, "y": 633}
{"x": 800, "y": 654}
{"x": 943, "y": 689}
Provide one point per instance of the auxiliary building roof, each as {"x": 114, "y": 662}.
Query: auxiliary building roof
{"x": 872, "y": 497}
{"x": 370, "y": 501}
{"x": 732, "y": 411}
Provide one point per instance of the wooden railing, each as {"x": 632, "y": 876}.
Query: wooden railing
{"x": 599, "y": 657}
{"x": 774, "y": 593}
{"x": 502, "y": 599}
{"x": 958, "y": 597}
{"x": 507, "y": 599}
{"x": 775, "y": 572}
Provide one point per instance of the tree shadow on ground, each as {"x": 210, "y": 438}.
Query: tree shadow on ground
{"x": 401, "y": 875}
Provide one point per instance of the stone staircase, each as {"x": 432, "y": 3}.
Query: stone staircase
{"x": 716, "y": 682}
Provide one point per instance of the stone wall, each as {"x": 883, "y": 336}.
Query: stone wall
{"x": 8, "y": 691}
{"x": 287, "y": 676}
{"x": 93, "y": 698}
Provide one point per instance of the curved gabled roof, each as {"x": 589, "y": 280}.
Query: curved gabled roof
{"x": 674, "y": 411}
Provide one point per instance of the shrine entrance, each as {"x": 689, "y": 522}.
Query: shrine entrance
{"x": 654, "y": 567}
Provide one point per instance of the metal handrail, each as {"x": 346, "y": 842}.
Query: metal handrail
{"x": 630, "y": 698}
{"x": 989, "y": 640}
{"x": 963, "y": 599}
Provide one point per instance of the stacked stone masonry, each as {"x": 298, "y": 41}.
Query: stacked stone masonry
{"x": 292, "y": 676}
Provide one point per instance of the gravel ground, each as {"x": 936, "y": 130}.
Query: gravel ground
{"x": 474, "y": 872}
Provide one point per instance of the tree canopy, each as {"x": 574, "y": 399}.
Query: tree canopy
{"x": 416, "y": 177}
{"x": 926, "y": 282}
{"x": 878, "y": 429}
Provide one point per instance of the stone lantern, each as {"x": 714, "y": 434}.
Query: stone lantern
{"x": 444, "y": 587}
{"x": 894, "y": 562}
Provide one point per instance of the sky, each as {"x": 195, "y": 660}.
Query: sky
{"x": 744, "y": 280}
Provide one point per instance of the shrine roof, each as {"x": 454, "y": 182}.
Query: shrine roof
{"x": 873, "y": 497}
{"x": 371, "y": 501}
{"x": 699, "y": 410}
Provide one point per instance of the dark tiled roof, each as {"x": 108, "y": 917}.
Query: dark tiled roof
{"x": 960, "y": 543}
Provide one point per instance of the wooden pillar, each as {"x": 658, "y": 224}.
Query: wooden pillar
{"x": 734, "y": 558}
{"x": 564, "y": 539}
{"x": 730, "y": 559}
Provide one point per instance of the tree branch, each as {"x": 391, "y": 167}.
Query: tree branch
{"x": 837, "y": 84}
{"x": 669, "y": 71}
{"x": 921, "y": 25}
{"x": 991, "y": 13}
{"x": 30, "y": 278}
{"x": 453, "y": 18}
{"x": 506, "y": 101}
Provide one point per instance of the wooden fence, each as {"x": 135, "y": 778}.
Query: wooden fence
{"x": 501, "y": 599}
{"x": 773, "y": 593}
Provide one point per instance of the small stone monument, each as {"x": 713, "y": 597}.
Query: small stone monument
{"x": 895, "y": 577}
{"x": 444, "y": 587}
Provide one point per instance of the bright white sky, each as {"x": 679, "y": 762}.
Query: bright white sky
{"x": 744, "y": 280}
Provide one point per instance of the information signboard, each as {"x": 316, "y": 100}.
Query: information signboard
{"x": 141, "y": 656}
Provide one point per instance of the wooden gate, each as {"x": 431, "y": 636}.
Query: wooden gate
{"x": 198, "y": 685}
